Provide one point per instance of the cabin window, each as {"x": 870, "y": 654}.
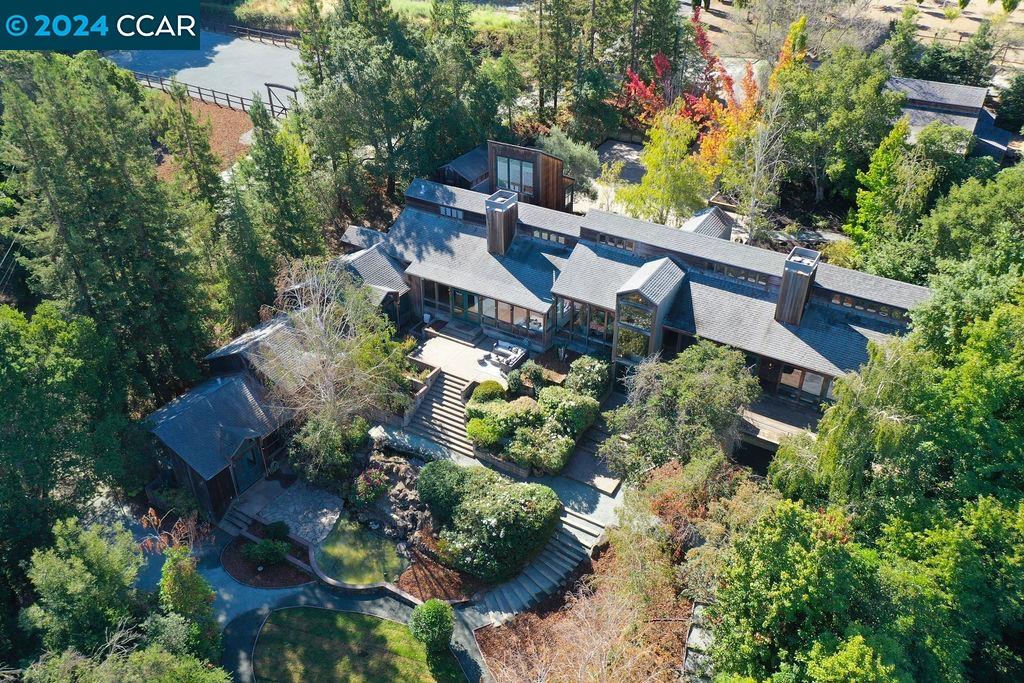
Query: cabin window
{"x": 504, "y": 312}
{"x": 515, "y": 175}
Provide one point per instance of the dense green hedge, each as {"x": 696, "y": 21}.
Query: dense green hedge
{"x": 489, "y": 390}
{"x": 546, "y": 449}
{"x": 490, "y": 526}
{"x": 442, "y": 485}
{"x": 571, "y": 411}
{"x": 507, "y": 416}
{"x": 484, "y": 433}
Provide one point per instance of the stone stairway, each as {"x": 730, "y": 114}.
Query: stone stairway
{"x": 547, "y": 573}
{"x": 234, "y": 521}
{"x": 441, "y": 417}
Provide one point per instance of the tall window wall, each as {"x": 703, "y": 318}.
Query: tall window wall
{"x": 636, "y": 325}
{"x": 515, "y": 175}
{"x": 469, "y": 306}
{"x": 584, "y": 323}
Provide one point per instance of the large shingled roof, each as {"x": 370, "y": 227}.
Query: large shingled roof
{"x": 655, "y": 280}
{"x": 208, "y": 425}
{"x": 455, "y": 253}
{"x": 472, "y": 164}
{"x": 828, "y": 341}
{"x": 939, "y": 93}
{"x": 594, "y": 274}
{"x": 832, "y": 278}
{"x": 375, "y": 268}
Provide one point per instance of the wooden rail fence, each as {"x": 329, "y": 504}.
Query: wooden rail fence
{"x": 260, "y": 35}
{"x": 208, "y": 95}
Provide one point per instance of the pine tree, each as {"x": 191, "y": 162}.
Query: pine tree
{"x": 188, "y": 139}
{"x": 314, "y": 41}
{"x": 451, "y": 18}
{"x": 278, "y": 178}
{"x": 246, "y": 267}
{"x": 103, "y": 234}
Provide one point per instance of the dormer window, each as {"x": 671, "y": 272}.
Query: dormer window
{"x": 451, "y": 212}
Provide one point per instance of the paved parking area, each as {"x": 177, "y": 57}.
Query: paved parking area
{"x": 223, "y": 62}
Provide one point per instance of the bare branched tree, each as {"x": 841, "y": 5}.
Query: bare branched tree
{"x": 188, "y": 531}
{"x": 759, "y": 162}
{"x": 332, "y": 359}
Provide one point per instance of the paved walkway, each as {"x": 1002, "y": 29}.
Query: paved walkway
{"x": 223, "y": 62}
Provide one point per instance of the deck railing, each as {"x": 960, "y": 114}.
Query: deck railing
{"x": 260, "y": 35}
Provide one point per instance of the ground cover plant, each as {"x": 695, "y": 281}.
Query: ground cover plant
{"x": 490, "y": 526}
{"x": 308, "y": 644}
{"x": 538, "y": 434}
{"x": 354, "y": 554}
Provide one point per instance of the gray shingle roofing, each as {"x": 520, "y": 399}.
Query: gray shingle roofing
{"x": 468, "y": 200}
{"x": 938, "y": 92}
{"x": 455, "y": 253}
{"x": 362, "y": 237}
{"x": 656, "y": 280}
{"x": 594, "y": 274}
{"x": 829, "y": 277}
{"x": 919, "y": 117}
{"x": 712, "y": 222}
{"x": 472, "y": 164}
{"x": 827, "y": 341}
{"x": 378, "y": 270}
{"x": 211, "y": 422}
{"x": 249, "y": 342}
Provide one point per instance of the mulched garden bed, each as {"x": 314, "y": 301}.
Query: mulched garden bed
{"x": 296, "y": 550}
{"x": 283, "y": 575}
{"x": 425, "y": 578}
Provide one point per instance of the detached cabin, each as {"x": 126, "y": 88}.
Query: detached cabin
{"x": 219, "y": 439}
{"x": 954, "y": 105}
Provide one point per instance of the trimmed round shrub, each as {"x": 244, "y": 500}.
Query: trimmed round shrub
{"x": 571, "y": 411}
{"x": 443, "y": 485}
{"x": 546, "y": 449}
{"x": 277, "y": 531}
{"x": 588, "y": 376}
{"x": 488, "y": 390}
{"x": 432, "y": 623}
{"x": 495, "y": 532}
{"x": 484, "y": 433}
{"x": 267, "y": 552}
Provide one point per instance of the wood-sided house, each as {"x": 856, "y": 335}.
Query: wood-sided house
{"x": 220, "y": 438}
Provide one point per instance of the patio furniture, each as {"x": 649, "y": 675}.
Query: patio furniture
{"x": 508, "y": 355}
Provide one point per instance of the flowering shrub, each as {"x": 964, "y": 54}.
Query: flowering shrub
{"x": 588, "y": 376}
{"x": 370, "y": 485}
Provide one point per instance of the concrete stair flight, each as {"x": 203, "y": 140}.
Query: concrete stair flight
{"x": 549, "y": 572}
{"x": 235, "y": 521}
{"x": 441, "y": 417}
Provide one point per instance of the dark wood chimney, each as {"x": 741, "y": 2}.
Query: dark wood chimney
{"x": 502, "y": 217}
{"x": 797, "y": 279}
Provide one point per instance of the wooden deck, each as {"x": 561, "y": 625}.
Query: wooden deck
{"x": 769, "y": 419}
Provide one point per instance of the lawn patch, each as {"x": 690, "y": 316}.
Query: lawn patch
{"x": 310, "y": 644}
